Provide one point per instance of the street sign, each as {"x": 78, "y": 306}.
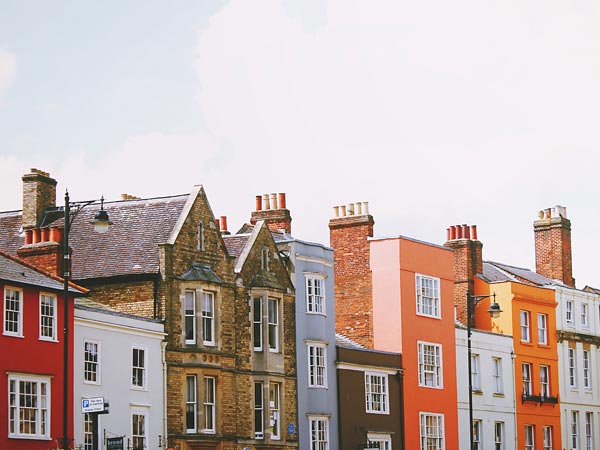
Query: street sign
{"x": 114, "y": 443}
{"x": 92, "y": 405}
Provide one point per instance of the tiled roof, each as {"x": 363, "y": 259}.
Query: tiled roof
{"x": 14, "y": 271}
{"x": 129, "y": 247}
{"x": 87, "y": 304}
{"x": 235, "y": 244}
{"x": 494, "y": 272}
{"x": 201, "y": 272}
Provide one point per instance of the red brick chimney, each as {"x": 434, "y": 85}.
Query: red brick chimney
{"x": 553, "y": 245}
{"x": 271, "y": 208}
{"x": 468, "y": 262}
{"x": 349, "y": 231}
{"x": 39, "y": 193}
{"x": 43, "y": 249}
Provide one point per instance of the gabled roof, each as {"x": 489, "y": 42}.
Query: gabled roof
{"x": 235, "y": 244}
{"x": 14, "y": 270}
{"x": 129, "y": 247}
{"x": 498, "y": 272}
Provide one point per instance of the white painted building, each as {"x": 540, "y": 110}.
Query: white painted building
{"x": 121, "y": 358}
{"x": 578, "y": 334}
{"x": 493, "y": 389}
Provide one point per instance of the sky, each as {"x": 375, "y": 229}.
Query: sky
{"x": 436, "y": 113}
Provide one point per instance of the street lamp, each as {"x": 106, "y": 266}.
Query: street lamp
{"x": 494, "y": 312}
{"x": 101, "y": 224}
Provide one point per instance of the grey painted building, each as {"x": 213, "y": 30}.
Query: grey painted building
{"x": 311, "y": 270}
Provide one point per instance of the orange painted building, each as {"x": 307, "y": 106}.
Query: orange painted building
{"x": 396, "y": 294}
{"x": 528, "y": 314}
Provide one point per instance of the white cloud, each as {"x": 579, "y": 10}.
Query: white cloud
{"x": 8, "y": 69}
{"x": 436, "y": 112}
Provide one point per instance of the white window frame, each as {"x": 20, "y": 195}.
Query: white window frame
{"x": 499, "y": 435}
{"x": 428, "y": 296}
{"x": 587, "y": 380}
{"x": 208, "y": 318}
{"x": 497, "y": 375}
{"x": 88, "y": 432}
{"x": 569, "y": 311}
{"x": 477, "y": 429}
{"x": 315, "y": 294}
{"x": 529, "y": 437}
{"x": 376, "y": 392}
{"x": 18, "y": 321}
{"x": 42, "y": 411}
{"x": 585, "y": 315}
{"x": 430, "y": 365}
{"x": 88, "y": 364}
{"x": 259, "y": 410}
{"x": 572, "y": 367}
{"x": 139, "y": 369}
{"x": 257, "y": 323}
{"x": 190, "y": 316}
{"x": 525, "y": 321}
{"x": 191, "y": 403}
{"x": 383, "y": 440}
{"x": 51, "y": 320}
{"x": 574, "y": 430}
{"x": 317, "y": 364}
{"x": 319, "y": 432}
{"x": 431, "y": 431}
{"x": 475, "y": 372}
{"x": 547, "y": 436}
{"x": 544, "y": 381}
{"x": 526, "y": 378}
{"x": 589, "y": 431}
{"x": 273, "y": 323}
{"x": 135, "y": 433}
{"x": 275, "y": 410}
{"x": 542, "y": 329}
{"x": 210, "y": 405}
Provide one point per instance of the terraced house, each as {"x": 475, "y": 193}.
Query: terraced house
{"x": 165, "y": 258}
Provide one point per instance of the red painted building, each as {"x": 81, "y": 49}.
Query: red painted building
{"x": 31, "y": 366}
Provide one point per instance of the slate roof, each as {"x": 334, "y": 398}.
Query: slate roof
{"x": 86, "y": 304}
{"x": 129, "y": 247}
{"x": 201, "y": 272}
{"x": 498, "y": 272}
{"x": 13, "y": 270}
{"x": 235, "y": 244}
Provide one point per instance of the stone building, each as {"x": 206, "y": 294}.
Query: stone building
{"x": 165, "y": 258}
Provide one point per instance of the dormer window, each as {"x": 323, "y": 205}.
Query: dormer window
{"x": 200, "y": 236}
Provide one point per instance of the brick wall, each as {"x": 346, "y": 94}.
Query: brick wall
{"x": 47, "y": 256}
{"x": 39, "y": 193}
{"x": 468, "y": 262}
{"x": 353, "y": 278}
{"x": 553, "y": 248}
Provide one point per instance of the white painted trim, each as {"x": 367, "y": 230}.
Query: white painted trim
{"x": 315, "y": 259}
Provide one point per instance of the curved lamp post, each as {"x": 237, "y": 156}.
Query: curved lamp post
{"x": 494, "y": 312}
{"x": 101, "y": 224}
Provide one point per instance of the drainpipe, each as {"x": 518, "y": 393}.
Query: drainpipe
{"x": 163, "y": 346}
{"x": 155, "y": 294}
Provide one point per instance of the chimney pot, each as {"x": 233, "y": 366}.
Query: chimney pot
{"x": 218, "y": 224}
{"x": 273, "y": 201}
{"x": 452, "y": 233}
{"x": 45, "y": 234}
{"x": 258, "y": 202}
{"x": 266, "y": 203}
{"x": 343, "y": 210}
{"x": 282, "y": 204}
{"x": 28, "y": 236}
{"x": 36, "y": 235}
{"x": 223, "y": 223}
{"x": 474, "y": 232}
{"x": 459, "y": 233}
{"x": 336, "y": 212}
{"x": 350, "y": 209}
{"x": 365, "y": 208}
{"x": 358, "y": 208}
{"x": 466, "y": 232}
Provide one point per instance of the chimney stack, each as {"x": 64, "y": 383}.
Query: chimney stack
{"x": 349, "y": 232}
{"x": 468, "y": 262}
{"x": 39, "y": 194}
{"x": 552, "y": 233}
{"x": 272, "y": 209}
